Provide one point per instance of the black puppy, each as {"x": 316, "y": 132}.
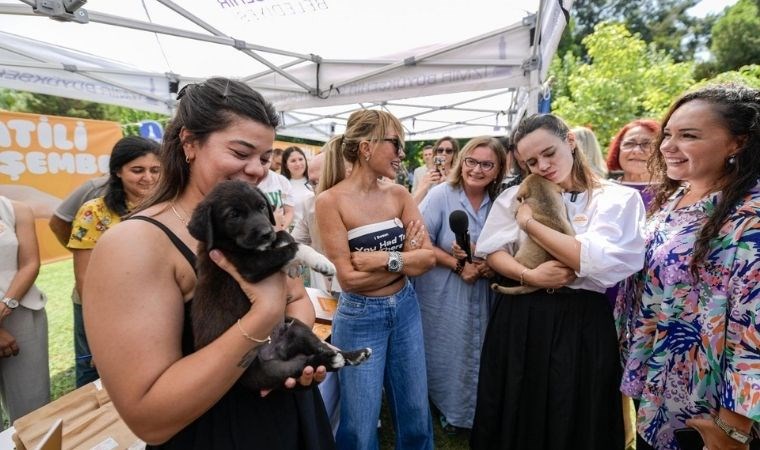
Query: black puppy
{"x": 237, "y": 219}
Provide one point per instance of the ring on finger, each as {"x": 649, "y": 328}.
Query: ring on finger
{"x": 414, "y": 242}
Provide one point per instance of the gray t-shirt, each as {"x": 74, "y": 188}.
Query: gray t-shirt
{"x": 89, "y": 190}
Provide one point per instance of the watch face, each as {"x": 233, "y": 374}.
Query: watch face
{"x": 739, "y": 437}
{"x": 11, "y": 302}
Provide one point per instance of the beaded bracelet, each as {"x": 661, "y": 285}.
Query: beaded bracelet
{"x": 266, "y": 340}
{"x": 460, "y": 266}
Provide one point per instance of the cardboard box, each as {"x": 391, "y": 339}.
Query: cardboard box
{"x": 90, "y": 421}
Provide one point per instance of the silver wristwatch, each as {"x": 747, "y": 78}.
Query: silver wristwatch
{"x": 395, "y": 262}
{"x": 739, "y": 436}
{"x": 10, "y": 302}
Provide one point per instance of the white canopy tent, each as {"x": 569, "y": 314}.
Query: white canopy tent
{"x": 459, "y": 68}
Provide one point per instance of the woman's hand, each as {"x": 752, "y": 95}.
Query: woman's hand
{"x": 551, "y": 274}
{"x": 484, "y": 269}
{"x": 524, "y": 214}
{"x": 271, "y": 292}
{"x": 457, "y": 252}
{"x": 713, "y": 437}
{"x": 415, "y": 235}
{"x": 308, "y": 376}
{"x": 432, "y": 177}
{"x": 8, "y": 345}
{"x": 470, "y": 273}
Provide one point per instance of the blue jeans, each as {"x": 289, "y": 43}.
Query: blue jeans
{"x": 392, "y": 328}
{"x": 85, "y": 371}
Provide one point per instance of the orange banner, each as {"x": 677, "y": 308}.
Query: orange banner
{"x": 44, "y": 158}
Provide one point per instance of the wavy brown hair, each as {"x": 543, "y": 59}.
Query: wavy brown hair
{"x": 738, "y": 109}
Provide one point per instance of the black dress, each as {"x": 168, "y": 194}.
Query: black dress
{"x": 549, "y": 375}
{"x": 242, "y": 419}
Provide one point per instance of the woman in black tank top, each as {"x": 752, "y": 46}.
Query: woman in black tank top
{"x": 139, "y": 290}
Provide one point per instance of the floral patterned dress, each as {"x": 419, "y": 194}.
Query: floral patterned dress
{"x": 693, "y": 345}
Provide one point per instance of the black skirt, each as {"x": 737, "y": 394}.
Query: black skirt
{"x": 243, "y": 420}
{"x": 550, "y": 375}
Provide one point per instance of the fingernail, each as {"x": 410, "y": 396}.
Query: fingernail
{"x": 215, "y": 255}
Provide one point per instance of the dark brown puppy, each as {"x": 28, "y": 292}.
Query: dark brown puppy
{"x": 545, "y": 200}
{"x": 236, "y": 219}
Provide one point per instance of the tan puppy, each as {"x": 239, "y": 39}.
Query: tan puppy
{"x": 545, "y": 200}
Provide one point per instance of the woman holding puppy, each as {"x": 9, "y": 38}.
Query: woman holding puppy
{"x": 550, "y": 368}
{"x": 373, "y": 232}
{"x": 139, "y": 289}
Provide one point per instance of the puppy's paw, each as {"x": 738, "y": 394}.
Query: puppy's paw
{"x": 357, "y": 357}
{"x": 315, "y": 260}
{"x": 325, "y": 268}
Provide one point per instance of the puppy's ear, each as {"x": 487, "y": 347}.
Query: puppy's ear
{"x": 201, "y": 224}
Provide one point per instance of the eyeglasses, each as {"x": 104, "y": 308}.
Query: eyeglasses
{"x": 485, "y": 166}
{"x": 629, "y": 146}
{"x": 442, "y": 150}
{"x": 396, "y": 143}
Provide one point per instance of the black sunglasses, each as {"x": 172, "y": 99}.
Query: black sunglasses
{"x": 441, "y": 150}
{"x": 396, "y": 143}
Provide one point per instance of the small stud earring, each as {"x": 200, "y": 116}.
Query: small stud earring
{"x": 366, "y": 157}
{"x": 731, "y": 160}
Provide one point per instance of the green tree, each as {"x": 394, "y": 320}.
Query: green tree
{"x": 21, "y": 101}
{"x": 625, "y": 79}
{"x": 736, "y": 36}
{"x": 662, "y": 22}
{"x": 747, "y": 75}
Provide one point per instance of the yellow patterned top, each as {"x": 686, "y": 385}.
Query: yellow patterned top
{"x": 91, "y": 221}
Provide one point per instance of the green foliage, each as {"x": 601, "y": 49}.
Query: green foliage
{"x": 736, "y": 36}
{"x": 662, "y": 22}
{"x": 625, "y": 79}
{"x": 28, "y": 102}
{"x": 747, "y": 75}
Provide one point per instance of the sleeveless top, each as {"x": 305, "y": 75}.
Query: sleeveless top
{"x": 33, "y": 298}
{"x": 380, "y": 236}
{"x": 242, "y": 419}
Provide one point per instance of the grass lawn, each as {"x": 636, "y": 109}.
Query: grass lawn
{"x": 57, "y": 280}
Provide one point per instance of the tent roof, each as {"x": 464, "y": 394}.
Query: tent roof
{"x": 445, "y": 68}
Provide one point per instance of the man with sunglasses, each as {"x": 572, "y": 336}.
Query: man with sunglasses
{"x": 445, "y": 152}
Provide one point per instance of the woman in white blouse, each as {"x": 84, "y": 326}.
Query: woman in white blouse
{"x": 550, "y": 368}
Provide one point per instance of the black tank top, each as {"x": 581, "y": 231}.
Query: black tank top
{"x": 241, "y": 419}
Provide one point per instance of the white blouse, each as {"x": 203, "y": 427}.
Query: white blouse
{"x": 609, "y": 227}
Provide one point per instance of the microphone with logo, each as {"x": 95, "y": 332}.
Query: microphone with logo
{"x": 459, "y": 224}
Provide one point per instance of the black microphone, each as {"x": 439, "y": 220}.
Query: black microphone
{"x": 459, "y": 224}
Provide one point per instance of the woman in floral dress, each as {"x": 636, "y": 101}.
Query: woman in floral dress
{"x": 695, "y": 342}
